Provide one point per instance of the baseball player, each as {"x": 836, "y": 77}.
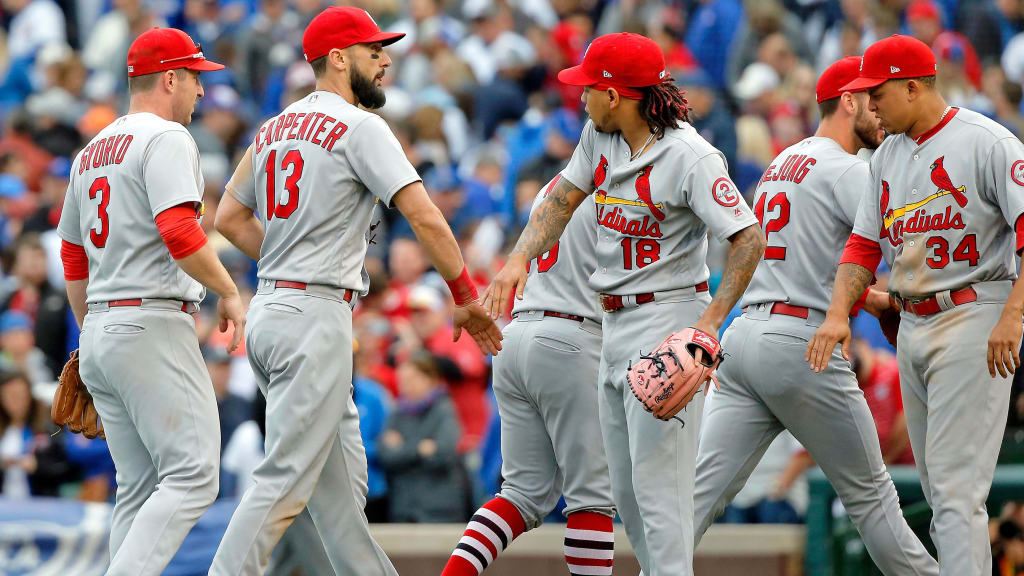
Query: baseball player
{"x": 545, "y": 382}
{"x": 133, "y": 251}
{"x": 946, "y": 194}
{"x": 806, "y": 201}
{"x": 314, "y": 173}
{"x": 658, "y": 187}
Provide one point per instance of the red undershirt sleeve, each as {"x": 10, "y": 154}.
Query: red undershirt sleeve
{"x": 180, "y": 230}
{"x": 862, "y": 251}
{"x": 76, "y": 263}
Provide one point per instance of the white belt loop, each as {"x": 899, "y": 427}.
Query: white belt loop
{"x": 629, "y": 301}
{"x": 944, "y": 300}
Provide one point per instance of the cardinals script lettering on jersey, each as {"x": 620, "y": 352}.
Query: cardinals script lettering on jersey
{"x": 110, "y": 150}
{"x": 615, "y": 220}
{"x": 895, "y": 222}
{"x": 316, "y": 127}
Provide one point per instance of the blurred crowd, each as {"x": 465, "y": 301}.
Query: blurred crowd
{"x": 474, "y": 100}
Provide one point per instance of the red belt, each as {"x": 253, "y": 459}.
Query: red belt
{"x": 302, "y": 286}
{"x": 138, "y": 302}
{"x": 551, "y": 314}
{"x": 930, "y": 306}
{"x": 612, "y": 303}
{"x": 787, "y": 310}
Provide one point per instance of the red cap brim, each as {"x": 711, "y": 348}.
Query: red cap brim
{"x": 205, "y": 66}
{"x": 575, "y": 76}
{"x": 385, "y": 38}
{"x": 862, "y": 84}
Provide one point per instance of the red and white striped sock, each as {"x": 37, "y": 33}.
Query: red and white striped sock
{"x": 589, "y": 544}
{"x": 493, "y": 527}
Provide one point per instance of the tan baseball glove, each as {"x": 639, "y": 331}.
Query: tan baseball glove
{"x": 668, "y": 378}
{"x": 73, "y": 405}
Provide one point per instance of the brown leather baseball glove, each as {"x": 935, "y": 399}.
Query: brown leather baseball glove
{"x": 668, "y": 378}
{"x": 73, "y": 405}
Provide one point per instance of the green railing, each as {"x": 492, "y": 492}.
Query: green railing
{"x": 834, "y": 547}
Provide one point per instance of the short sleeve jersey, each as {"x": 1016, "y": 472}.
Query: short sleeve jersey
{"x": 653, "y": 213}
{"x": 943, "y": 208}
{"x": 134, "y": 169}
{"x": 558, "y": 280}
{"x": 807, "y": 202}
{"x": 318, "y": 169}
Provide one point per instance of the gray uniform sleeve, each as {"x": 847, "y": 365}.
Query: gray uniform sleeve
{"x": 242, "y": 184}
{"x": 849, "y": 191}
{"x": 580, "y": 170}
{"x": 1005, "y": 170}
{"x": 170, "y": 170}
{"x": 378, "y": 160}
{"x": 70, "y": 227}
{"x": 869, "y": 217}
{"x": 714, "y": 198}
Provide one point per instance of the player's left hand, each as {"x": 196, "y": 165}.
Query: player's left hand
{"x": 231, "y": 310}
{"x": 474, "y": 318}
{"x": 510, "y": 280}
{"x": 1004, "y": 345}
{"x": 833, "y": 330}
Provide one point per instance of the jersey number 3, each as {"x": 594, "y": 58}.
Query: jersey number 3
{"x": 101, "y": 187}
{"x": 774, "y": 223}
{"x": 292, "y": 159}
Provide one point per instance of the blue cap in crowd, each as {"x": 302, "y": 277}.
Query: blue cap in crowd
{"x": 11, "y": 186}
{"x": 12, "y": 321}
{"x": 60, "y": 167}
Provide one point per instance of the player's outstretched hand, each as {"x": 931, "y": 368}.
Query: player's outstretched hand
{"x": 833, "y": 330}
{"x": 231, "y": 310}
{"x": 511, "y": 279}
{"x": 474, "y": 318}
{"x": 1004, "y": 345}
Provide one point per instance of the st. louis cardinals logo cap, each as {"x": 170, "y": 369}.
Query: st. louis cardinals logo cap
{"x": 622, "y": 61}
{"x": 891, "y": 58}
{"x": 836, "y": 76}
{"x": 159, "y": 49}
{"x": 340, "y": 27}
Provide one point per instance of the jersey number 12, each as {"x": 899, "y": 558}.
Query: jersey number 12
{"x": 292, "y": 159}
{"x": 774, "y": 223}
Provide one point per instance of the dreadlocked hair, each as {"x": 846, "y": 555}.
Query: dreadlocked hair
{"x": 663, "y": 106}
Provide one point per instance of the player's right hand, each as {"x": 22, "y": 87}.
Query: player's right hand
{"x": 474, "y": 318}
{"x": 231, "y": 310}
{"x": 833, "y": 330}
{"x": 511, "y": 279}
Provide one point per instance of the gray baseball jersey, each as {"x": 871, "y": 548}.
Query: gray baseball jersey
{"x": 944, "y": 208}
{"x": 559, "y": 279}
{"x": 654, "y": 212}
{"x": 316, "y": 214}
{"x": 134, "y": 169}
{"x": 806, "y": 202}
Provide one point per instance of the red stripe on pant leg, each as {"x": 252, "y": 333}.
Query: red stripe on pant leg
{"x": 590, "y": 521}
{"x": 459, "y": 566}
{"x": 509, "y": 513}
{"x": 588, "y": 561}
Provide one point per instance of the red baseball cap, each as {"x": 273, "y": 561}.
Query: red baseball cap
{"x": 622, "y": 61}
{"x": 892, "y": 58}
{"x": 341, "y": 27}
{"x": 159, "y": 49}
{"x": 836, "y": 76}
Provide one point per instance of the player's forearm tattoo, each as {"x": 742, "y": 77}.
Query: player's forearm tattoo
{"x": 547, "y": 222}
{"x": 745, "y": 251}
{"x": 851, "y": 281}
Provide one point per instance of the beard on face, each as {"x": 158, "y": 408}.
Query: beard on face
{"x": 866, "y": 130}
{"x": 367, "y": 93}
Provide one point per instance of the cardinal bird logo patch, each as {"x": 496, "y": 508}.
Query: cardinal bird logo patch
{"x": 643, "y": 192}
{"x": 601, "y": 172}
{"x": 941, "y": 179}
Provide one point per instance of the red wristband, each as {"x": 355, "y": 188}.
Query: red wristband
{"x": 463, "y": 289}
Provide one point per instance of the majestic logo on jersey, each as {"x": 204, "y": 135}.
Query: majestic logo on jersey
{"x": 643, "y": 192}
{"x": 895, "y": 222}
{"x": 1017, "y": 172}
{"x": 725, "y": 192}
{"x": 601, "y": 172}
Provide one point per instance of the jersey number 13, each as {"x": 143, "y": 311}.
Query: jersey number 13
{"x": 291, "y": 160}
